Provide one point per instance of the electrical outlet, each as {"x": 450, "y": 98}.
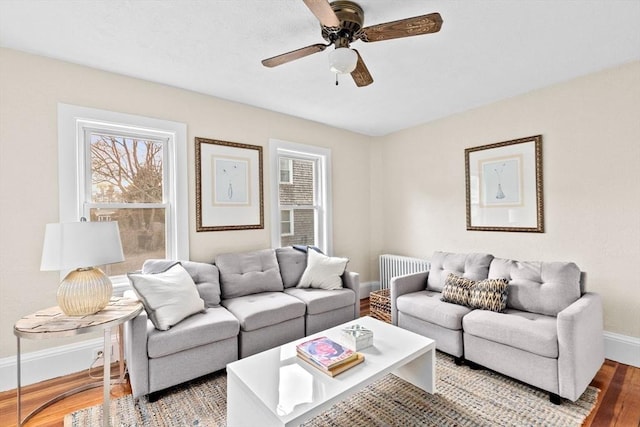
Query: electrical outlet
{"x": 97, "y": 353}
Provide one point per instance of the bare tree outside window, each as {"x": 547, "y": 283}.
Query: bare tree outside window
{"x": 127, "y": 186}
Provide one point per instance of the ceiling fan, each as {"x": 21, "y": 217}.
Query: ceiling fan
{"x": 341, "y": 23}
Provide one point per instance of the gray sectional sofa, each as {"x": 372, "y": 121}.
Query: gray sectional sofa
{"x": 251, "y": 304}
{"x": 549, "y": 335}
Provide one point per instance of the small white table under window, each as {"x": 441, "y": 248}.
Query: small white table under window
{"x": 53, "y": 323}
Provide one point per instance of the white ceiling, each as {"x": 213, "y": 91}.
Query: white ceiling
{"x": 486, "y": 51}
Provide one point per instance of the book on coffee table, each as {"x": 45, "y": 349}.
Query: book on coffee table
{"x": 327, "y": 355}
{"x": 359, "y": 358}
{"x": 325, "y": 352}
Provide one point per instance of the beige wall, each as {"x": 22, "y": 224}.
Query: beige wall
{"x": 30, "y": 89}
{"x": 591, "y": 166}
{"x": 402, "y": 194}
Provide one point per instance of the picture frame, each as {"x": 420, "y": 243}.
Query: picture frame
{"x": 504, "y": 189}
{"x": 229, "y": 186}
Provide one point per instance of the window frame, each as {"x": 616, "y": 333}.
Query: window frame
{"x": 322, "y": 189}
{"x": 289, "y": 169}
{"x": 74, "y": 169}
{"x": 291, "y": 223}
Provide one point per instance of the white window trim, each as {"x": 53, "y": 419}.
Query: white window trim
{"x": 290, "y": 181}
{"x": 291, "y": 223}
{"x": 72, "y": 121}
{"x": 85, "y": 198}
{"x": 323, "y": 156}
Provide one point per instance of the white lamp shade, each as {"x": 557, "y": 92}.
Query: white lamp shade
{"x": 343, "y": 60}
{"x": 80, "y": 245}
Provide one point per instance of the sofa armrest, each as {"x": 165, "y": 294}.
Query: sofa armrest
{"x": 404, "y": 285}
{"x": 351, "y": 280}
{"x": 135, "y": 344}
{"x": 580, "y": 345}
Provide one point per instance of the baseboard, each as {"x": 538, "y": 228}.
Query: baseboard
{"x": 52, "y": 363}
{"x": 622, "y": 348}
{"x": 68, "y": 359}
{"x": 367, "y": 287}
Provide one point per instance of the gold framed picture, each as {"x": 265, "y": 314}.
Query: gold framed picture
{"x": 229, "y": 188}
{"x": 504, "y": 186}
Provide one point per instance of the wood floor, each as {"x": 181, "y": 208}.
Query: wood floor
{"x": 618, "y": 402}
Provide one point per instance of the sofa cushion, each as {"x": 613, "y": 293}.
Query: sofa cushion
{"x": 532, "y": 332}
{"x": 248, "y": 273}
{"x": 427, "y": 306}
{"x": 168, "y": 297}
{"x": 539, "y": 287}
{"x": 469, "y": 266}
{"x": 214, "y": 324}
{"x": 489, "y": 294}
{"x": 256, "y": 311}
{"x": 292, "y": 263}
{"x": 205, "y": 276}
{"x": 323, "y": 272}
{"x": 456, "y": 289}
{"x": 321, "y": 300}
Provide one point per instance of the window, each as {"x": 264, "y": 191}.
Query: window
{"x": 285, "y": 170}
{"x": 124, "y": 182}
{"x": 286, "y": 222}
{"x": 302, "y": 198}
{"x": 130, "y": 169}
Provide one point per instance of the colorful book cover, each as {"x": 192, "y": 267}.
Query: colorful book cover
{"x": 359, "y": 358}
{"x": 325, "y": 352}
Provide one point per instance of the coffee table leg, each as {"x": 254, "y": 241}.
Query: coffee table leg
{"x": 239, "y": 410}
{"x": 244, "y": 409}
{"x": 420, "y": 372}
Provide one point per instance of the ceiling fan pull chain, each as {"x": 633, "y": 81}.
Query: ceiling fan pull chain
{"x": 336, "y": 79}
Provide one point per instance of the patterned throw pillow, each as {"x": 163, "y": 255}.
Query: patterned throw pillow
{"x": 456, "y": 289}
{"x": 489, "y": 294}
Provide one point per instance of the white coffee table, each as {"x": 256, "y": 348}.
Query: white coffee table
{"x": 275, "y": 388}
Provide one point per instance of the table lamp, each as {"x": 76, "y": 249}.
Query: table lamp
{"x": 80, "y": 247}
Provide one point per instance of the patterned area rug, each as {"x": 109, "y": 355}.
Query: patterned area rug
{"x": 464, "y": 398}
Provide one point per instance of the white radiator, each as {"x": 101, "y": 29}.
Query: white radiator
{"x": 396, "y": 265}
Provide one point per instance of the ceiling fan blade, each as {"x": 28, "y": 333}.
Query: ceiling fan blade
{"x": 361, "y": 74}
{"x": 293, "y": 55}
{"x": 323, "y": 11}
{"x": 415, "y": 26}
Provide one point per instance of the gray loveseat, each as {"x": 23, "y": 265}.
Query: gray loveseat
{"x": 251, "y": 304}
{"x": 550, "y": 335}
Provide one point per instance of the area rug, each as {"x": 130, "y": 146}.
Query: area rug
{"x": 464, "y": 398}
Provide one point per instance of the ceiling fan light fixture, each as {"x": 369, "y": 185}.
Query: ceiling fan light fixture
{"x": 343, "y": 60}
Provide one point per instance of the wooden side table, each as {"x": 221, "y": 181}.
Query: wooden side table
{"x": 53, "y": 323}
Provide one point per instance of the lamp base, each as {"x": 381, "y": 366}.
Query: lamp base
{"x": 84, "y": 291}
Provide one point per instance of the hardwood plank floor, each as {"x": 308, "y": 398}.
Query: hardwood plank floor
{"x": 53, "y": 416}
{"x": 618, "y": 402}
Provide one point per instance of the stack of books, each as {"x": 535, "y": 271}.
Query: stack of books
{"x": 328, "y": 356}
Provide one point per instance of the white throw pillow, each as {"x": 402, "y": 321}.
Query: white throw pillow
{"x": 323, "y": 272}
{"x": 168, "y": 297}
